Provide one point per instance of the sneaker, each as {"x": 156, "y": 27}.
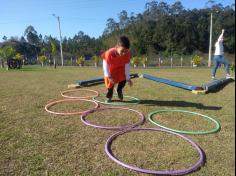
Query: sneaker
{"x": 108, "y": 100}
{"x": 229, "y": 76}
{"x": 213, "y": 78}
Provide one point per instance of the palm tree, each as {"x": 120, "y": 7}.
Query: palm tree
{"x": 54, "y": 51}
{"x": 96, "y": 60}
{"x": 6, "y": 53}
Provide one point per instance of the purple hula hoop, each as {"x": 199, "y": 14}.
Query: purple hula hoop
{"x": 193, "y": 168}
{"x": 141, "y": 116}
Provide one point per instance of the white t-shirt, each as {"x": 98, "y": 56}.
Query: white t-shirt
{"x": 219, "y": 48}
{"x": 107, "y": 74}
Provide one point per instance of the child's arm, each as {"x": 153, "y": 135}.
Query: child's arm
{"x": 127, "y": 74}
{"x": 127, "y": 71}
{"x": 106, "y": 71}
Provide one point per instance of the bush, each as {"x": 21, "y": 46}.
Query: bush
{"x": 19, "y": 56}
{"x": 196, "y": 60}
{"x": 96, "y": 59}
{"x": 135, "y": 61}
{"x": 42, "y": 59}
{"x": 232, "y": 67}
{"x": 80, "y": 61}
{"x": 145, "y": 60}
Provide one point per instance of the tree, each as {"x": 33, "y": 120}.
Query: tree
{"x": 42, "y": 59}
{"x": 145, "y": 61}
{"x": 161, "y": 28}
{"x": 54, "y": 51}
{"x": 80, "y": 61}
{"x": 112, "y": 26}
{"x": 124, "y": 19}
{"x": 4, "y": 38}
{"x": 232, "y": 67}
{"x": 176, "y": 8}
{"x": 32, "y": 38}
{"x": 6, "y": 53}
{"x": 196, "y": 60}
{"x": 96, "y": 60}
{"x": 135, "y": 61}
{"x": 22, "y": 39}
{"x": 151, "y": 11}
{"x": 31, "y": 35}
{"x": 19, "y": 56}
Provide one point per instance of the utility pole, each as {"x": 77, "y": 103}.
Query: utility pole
{"x": 210, "y": 44}
{"x": 59, "y": 25}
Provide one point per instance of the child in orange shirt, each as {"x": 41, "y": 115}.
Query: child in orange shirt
{"x": 116, "y": 67}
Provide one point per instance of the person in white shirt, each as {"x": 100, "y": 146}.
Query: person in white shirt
{"x": 219, "y": 57}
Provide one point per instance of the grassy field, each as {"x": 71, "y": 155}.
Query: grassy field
{"x": 34, "y": 142}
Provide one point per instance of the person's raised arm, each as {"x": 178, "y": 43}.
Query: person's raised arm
{"x": 221, "y": 36}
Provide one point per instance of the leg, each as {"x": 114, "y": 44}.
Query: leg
{"x": 110, "y": 93}
{"x": 120, "y": 87}
{"x": 215, "y": 66}
{"x": 226, "y": 65}
{"x": 110, "y": 88}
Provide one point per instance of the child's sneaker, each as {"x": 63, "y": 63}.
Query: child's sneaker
{"x": 229, "y": 76}
{"x": 108, "y": 100}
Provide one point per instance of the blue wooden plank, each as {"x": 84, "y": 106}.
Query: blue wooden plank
{"x": 172, "y": 83}
{"x": 99, "y": 80}
{"x": 94, "y": 80}
{"x": 214, "y": 84}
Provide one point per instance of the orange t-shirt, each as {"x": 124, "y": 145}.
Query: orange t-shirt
{"x": 116, "y": 64}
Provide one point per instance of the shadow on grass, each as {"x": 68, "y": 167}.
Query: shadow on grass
{"x": 35, "y": 69}
{"x": 178, "y": 104}
{"x": 204, "y": 157}
{"x": 93, "y": 84}
{"x": 27, "y": 69}
{"x": 219, "y": 88}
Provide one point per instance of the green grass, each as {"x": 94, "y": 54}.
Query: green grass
{"x": 34, "y": 142}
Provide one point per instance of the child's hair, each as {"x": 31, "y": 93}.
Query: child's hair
{"x": 124, "y": 42}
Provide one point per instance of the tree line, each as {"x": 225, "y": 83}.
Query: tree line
{"x": 162, "y": 29}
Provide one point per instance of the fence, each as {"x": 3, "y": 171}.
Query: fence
{"x": 155, "y": 61}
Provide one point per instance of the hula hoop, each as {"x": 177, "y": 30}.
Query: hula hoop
{"x": 217, "y": 124}
{"x": 137, "y": 101}
{"x": 85, "y": 97}
{"x": 67, "y": 100}
{"x": 141, "y": 117}
{"x": 193, "y": 168}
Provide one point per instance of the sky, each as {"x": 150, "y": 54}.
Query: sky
{"x": 88, "y": 16}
